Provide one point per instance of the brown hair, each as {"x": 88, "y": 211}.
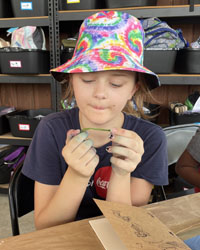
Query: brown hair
{"x": 143, "y": 93}
{"x": 139, "y": 97}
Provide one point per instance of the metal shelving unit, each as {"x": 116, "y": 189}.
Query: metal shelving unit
{"x": 179, "y": 79}
{"x": 11, "y": 140}
{"x": 171, "y": 14}
{"x": 26, "y": 79}
{"x": 18, "y": 22}
{"x": 44, "y": 21}
{"x": 175, "y": 11}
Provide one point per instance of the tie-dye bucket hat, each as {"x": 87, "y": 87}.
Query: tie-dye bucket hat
{"x": 108, "y": 40}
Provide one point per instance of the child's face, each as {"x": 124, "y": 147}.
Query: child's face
{"x": 101, "y": 96}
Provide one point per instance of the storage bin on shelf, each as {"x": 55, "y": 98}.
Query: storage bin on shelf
{"x": 81, "y": 4}
{"x": 188, "y": 61}
{"x": 29, "y": 8}
{"x": 4, "y": 123}
{"x": 24, "y": 123}
{"x": 160, "y": 61}
{"x": 183, "y": 118}
{"x": 66, "y": 54}
{"x": 24, "y": 61}
{"x": 129, "y": 3}
{"x": 5, "y": 9}
{"x": 67, "y": 49}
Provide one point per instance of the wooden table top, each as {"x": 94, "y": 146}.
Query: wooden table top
{"x": 181, "y": 215}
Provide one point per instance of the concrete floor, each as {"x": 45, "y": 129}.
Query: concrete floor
{"x": 26, "y": 223}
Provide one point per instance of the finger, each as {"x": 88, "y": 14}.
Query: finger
{"x": 75, "y": 141}
{"x": 122, "y": 164}
{"x": 88, "y": 169}
{"x": 123, "y": 152}
{"x": 93, "y": 162}
{"x": 71, "y": 133}
{"x": 129, "y": 143}
{"x": 123, "y": 132}
{"x": 91, "y": 158}
{"x": 83, "y": 148}
{"x": 128, "y": 139}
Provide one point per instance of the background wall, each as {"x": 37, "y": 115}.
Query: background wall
{"x": 171, "y": 93}
{"x": 28, "y": 96}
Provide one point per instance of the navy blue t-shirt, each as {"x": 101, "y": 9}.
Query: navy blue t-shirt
{"x": 44, "y": 162}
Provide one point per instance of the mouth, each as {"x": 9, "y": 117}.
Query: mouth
{"x": 98, "y": 107}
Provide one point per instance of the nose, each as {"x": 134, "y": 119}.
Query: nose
{"x": 100, "y": 91}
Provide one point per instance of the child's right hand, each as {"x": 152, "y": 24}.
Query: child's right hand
{"x": 79, "y": 153}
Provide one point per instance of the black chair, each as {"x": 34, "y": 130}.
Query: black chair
{"x": 21, "y": 197}
{"x": 178, "y": 137}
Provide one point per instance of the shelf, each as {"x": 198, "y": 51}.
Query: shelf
{"x": 140, "y": 12}
{"x": 11, "y": 140}
{"x": 4, "y": 188}
{"x": 21, "y": 21}
{"x": 40, "y": 79}
{"x": 179, "y": 79}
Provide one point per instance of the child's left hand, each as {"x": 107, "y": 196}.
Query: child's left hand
{"x": 127, "y": 149}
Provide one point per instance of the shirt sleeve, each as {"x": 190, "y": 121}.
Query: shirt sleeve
{"x": 43, "y": 159}
{"x": 193, "y": 146}
{"x": 154, "y": 164}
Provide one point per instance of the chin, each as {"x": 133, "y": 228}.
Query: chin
{"x": 99, "y": 121}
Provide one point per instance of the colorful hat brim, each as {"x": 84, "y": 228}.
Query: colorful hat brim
{"x": 100, "y": 60}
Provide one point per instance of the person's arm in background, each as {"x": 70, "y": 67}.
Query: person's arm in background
{"x": 188, "y": 168}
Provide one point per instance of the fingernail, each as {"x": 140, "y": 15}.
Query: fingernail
{"x": 109, "y": 149}
{"x": 89, "y": 142}
{"x": 74, "y": 133}
{"x": 112, "y": 133}
{"x": 111, "y": 136}
{"x": 84, "y": 134}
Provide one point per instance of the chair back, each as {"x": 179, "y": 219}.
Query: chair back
{"x": 21, "y": 197}
{"x": 178, "y": 137}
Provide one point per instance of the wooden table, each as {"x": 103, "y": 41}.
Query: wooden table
{"x": 181, "y": 215}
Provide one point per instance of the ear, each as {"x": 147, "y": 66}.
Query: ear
{"x": 135, "y": 88}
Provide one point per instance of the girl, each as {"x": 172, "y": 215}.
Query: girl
{"x": 72, "y": 165}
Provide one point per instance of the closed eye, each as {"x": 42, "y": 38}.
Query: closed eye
{"x": 87, "y": 81}
{"x": 115, "y": 85}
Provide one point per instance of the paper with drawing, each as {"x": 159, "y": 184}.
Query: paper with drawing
{"x": 139, "y": 229}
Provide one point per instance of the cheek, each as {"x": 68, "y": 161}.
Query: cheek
{"x": 81, "y": 95}
{"x": 120, "y": 100}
